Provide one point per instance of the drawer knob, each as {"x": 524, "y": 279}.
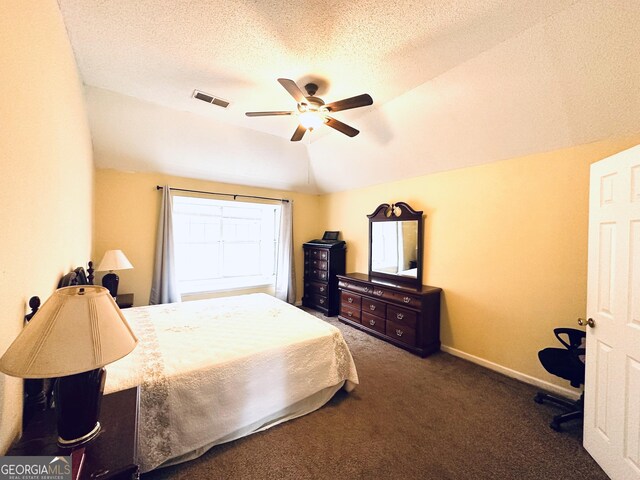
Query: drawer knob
{"x": 350, "y": 314}
{"x": 350, "y": 300}
{"x": 322, "y": 289}
{"x": 372, "y": 307}
{"x": 406, "y": 299}
{"x": 399, "y": 316}
{"x": 322, "y": 300}
{"x": 399, "y": 332}
{"x": 372, "y": 322}
{"x": 377, "y": 293}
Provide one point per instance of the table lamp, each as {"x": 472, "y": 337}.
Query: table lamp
{"x": 113, "y": 260}
{"x": 77, "y": 331}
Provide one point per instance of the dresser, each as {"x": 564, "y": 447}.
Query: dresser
{"x": 405, "y": 316}
{"x": 322, "y": 263}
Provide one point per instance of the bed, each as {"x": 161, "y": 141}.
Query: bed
{"x": 411, "y": 272}
{"x": 212, "y": 371}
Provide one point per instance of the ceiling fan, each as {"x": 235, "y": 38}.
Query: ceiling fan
{"x": 313, "y": 112}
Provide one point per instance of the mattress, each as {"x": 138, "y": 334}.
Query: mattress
{"x": 211, "y": 371}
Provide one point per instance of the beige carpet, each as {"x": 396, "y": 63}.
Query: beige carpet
{"x": 410, "y": 418}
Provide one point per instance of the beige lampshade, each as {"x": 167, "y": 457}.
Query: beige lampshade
{"x": 114, "y": 260}
{"x": 78, "y": 329}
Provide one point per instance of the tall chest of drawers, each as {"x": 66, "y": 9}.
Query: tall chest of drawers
{"x": 406, "y": 317}
{"x": 322, "y": 264}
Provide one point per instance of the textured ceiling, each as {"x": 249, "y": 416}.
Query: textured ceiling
{"x": 455, "y": 83}
{"x": 160, "y": 51}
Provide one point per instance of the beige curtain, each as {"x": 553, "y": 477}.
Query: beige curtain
{"x": 285, "y": 268}
{"x": 164, "y": 284}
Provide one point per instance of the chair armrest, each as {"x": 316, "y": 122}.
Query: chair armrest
{"x": 575, "y": 337}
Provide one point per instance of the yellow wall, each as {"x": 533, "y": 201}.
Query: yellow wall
{"x": 126, "y": 217}
{"x": 507, "y": 242}
{"x": 46, "y": 181}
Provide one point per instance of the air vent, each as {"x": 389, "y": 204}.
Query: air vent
{"x": 205, "y": 97}
{"x": 220, "y": 102}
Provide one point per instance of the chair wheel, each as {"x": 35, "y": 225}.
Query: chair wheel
{"x": 555, "y": 426}
{"x": 539, "y": 398}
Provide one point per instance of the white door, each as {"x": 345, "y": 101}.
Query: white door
{"x": 612, "y": 387}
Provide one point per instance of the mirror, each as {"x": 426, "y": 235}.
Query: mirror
{"x": 395, "y": 243}
{"x": 394, "y": 248}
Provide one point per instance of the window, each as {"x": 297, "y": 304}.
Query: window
{"x": 222, "y": 245}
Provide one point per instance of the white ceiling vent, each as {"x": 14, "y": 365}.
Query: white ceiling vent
{"x": 205, "y": 97}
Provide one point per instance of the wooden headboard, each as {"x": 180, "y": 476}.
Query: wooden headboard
{"x": 78, "y": 276}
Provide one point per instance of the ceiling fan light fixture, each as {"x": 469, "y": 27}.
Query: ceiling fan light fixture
{"x": 311, "y": 119}
{"x": 313, "y": 112}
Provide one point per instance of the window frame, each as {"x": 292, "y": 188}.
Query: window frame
{"x": 270, "y": 213}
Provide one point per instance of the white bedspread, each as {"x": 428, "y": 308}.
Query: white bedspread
{"x": 214, "y": 370}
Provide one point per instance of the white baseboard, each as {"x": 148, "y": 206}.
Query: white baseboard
{"x": 542, "y": 384}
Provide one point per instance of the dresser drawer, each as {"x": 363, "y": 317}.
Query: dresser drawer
{"x": 402, "y": 316}
{"x": 396, "y": 297}
{"x": 316, "y": 274}
{"x": 402, "y": 298}
{"x": 373, "y": 322}
{"x": 353, "y": 286}
{"x": 319, "y": 264}
{"x": 374, "y": 307}
{"x": 316, "y": 287}
{"x": 350, "y": 312}
{"x": 401, "y": 332}
{"x": 318, "y": 254}
{"x": 350, "y": 299}
{"x": 318, "y": 300}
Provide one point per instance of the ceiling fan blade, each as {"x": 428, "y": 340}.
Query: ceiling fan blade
{"x": 298, "y": 134}
{"x": 266, "y": 114}
{"x": 293, "y": 89}
{"x": 353, "y": 102}
{"x": 342, "y": 127}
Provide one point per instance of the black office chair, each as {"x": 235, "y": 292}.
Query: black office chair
{"x": 567, "y": 363}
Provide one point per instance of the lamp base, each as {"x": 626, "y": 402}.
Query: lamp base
{"x": 78, "y": 398}
{"x": 110, "y": 281}
{"x": 66, "y": 443}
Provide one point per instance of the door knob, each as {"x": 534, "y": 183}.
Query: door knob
{"x": 589, "y": 322}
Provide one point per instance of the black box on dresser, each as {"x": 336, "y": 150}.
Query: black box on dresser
{"x": 322, "y": 264}
{"x": 408, "y": 317}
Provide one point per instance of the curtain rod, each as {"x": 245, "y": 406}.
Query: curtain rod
{"x": 234, "y": 195}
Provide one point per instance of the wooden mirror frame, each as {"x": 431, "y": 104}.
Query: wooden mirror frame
{"x": 397, "y": 212}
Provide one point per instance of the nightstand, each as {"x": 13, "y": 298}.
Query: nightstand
{"x": 110, "y": 456}
{"x": 125, "y": 300}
